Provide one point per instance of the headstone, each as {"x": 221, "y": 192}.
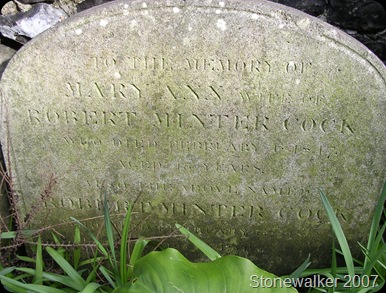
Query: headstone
{"x": 227, "y": 117}
{"x": 6, "y": 53}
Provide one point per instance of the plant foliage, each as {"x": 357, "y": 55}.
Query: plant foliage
{"x": 115, "y": 268}
{"x": 169, "y": 271}
{"x": 356, "y": 276}
{"x": 156, "y": 272}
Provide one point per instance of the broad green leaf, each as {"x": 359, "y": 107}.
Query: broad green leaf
{"x": 201, "y": 245}
{"x": 168, "y": 271}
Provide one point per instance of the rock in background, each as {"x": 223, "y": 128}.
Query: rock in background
{"x": 365, "y": 20}
{"x": 24, "y": 25}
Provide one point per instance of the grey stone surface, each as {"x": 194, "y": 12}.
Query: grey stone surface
{"x": 6, "y": 53}
{"x": 224, "y": 116}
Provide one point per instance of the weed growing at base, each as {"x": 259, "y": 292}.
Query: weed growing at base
{"x": 109, "y": 271}
{"x": 115, "y": 268}
{"x": 356, "y": 276}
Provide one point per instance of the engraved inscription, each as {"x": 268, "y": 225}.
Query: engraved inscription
{"x": 110, "y": 118}
{"x": 227, "y": 211}
{"x": 97, "y": 90}
{"x": 191, "y": 120}
{"x": 83, "y": 141}
{"x": 141, "y": 63}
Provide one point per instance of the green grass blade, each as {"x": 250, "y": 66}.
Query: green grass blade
{"x": 107, "y": 276}
{"x": 333, "y": 260}
{"x": 39, "y": 263}
{"x": 56, "y": 239}
{"x": 355, "y": 260}
{"x": 379, "y": 287}
{"x": 325, "y": 271}
{"x": 29, "y": 287}
{"x": 77, "y": 250}
{"x": 373, "y": 260}
{"x": 79, "y": 283}
{"x": 90, "y": 288}
{"x": 379, "y": 238}
{"x": 21, "y": 277}
{"x": 139, "y": 246}
{"x": 56, "y": 278}
{"x": 201, "y": 245}
{"x": 300, "y": 269}
{"x": 26, "y": 258}
{"x": 377, "y": 245}
{"x": 11, "y": 287}
{"x": 13, "y": 234}
{"x": 96, "y": 259}
{"x": 109, "y": 230}
{"x": 8, "y": 235}
{"x": 339, "y": 235}
{"x": 110, "y": 240}
{"x": 376, "y": 220}
{"x": 124, "y": 246}
{"x": 97, "y": 242}
{"x": 91, "y": 276}
{"x": 6, "y": 271}
{"x": 136, "y": 254}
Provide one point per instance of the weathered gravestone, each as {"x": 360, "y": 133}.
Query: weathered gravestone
{"x": 226, "y": 116}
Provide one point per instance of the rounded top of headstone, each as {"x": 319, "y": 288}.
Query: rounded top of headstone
{"x": 276, "y": 17}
